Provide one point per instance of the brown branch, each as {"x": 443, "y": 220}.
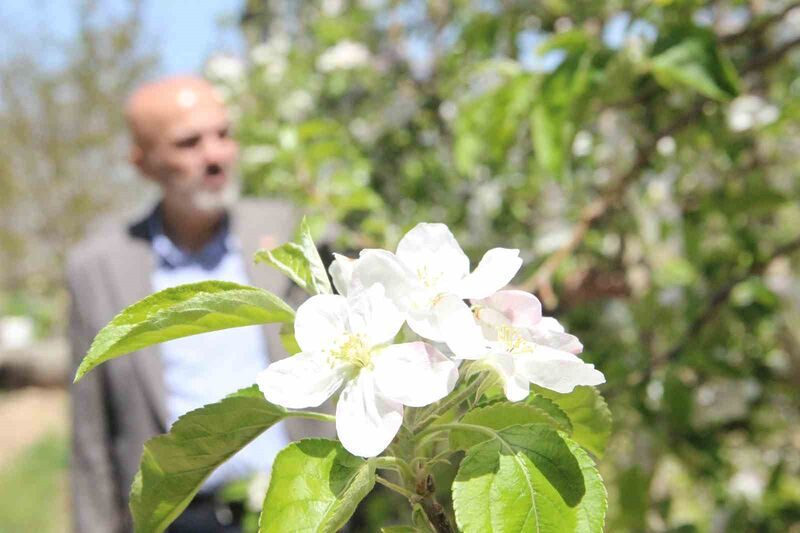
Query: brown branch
{"x": 590, "y": 214}
{"x": 760, "y": 26}
{"x": 541, "y": 280}
{"x": 773, "y": 56}
{"x": 719, "y": 298}
{"x": 435, "y": 512}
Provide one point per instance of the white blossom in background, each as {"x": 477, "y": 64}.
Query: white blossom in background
{"x": 344, "y": 55}
{"x": 583, "y": 143}
{"x": 227, "y": 69}
{"x": 448, "y": 110}
{"x": 297, "y": 105}
{"x": 332, "y": 8}
{"x": 666, "y": 146}
{"x": 429, "y": 278}
{"x": 271, "y": 56}
{"x": 511, "y": 336}
{"x": 258, "y": 154}
{"x": 346, "y": 343}
{"x": 748, "y": 484}
{"x": 750, "y": 111}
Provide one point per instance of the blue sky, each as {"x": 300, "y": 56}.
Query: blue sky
{"x": 183, "y": 32}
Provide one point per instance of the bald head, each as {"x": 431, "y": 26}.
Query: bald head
{"x": 154, "y": 106}
{"x": 180, "y": 131}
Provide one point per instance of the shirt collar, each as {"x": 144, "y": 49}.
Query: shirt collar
{"x": 171, "y": 256}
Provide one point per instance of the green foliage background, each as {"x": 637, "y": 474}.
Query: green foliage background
{"x": 642, "y": 155}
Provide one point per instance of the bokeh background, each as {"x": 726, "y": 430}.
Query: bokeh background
{"x": 644, "y": 156}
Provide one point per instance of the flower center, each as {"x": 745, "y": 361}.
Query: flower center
{"x": 354, "y": 349}
{"x": 512, "y": 340}
{"x": 427, "y": 278}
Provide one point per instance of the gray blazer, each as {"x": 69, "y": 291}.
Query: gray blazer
{"x": 121, "y": 404}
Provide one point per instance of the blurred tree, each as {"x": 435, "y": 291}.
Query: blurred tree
{"x": 642, "y": 155}
{"x": 63, "y": 147}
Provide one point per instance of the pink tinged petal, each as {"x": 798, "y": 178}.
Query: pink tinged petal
{"x": 459, "y": 329}
{"x": 554, "y": 339}
{"x": 366, "y": 421}
{"x": 557, "y": 370}
{"x": 303, "y": 380}
{"x": 515, "y": 386}
{"x": 373, "y": 314}
{"x": 341, "y": 271}
{"x": 521, "y": 308}
{"x": 414, "y": 373}
{"x": 497, "y": 268}
{"x": 380, "y": 266}
{"x": 433, "y": 254}
{"x": 320, "y": 321}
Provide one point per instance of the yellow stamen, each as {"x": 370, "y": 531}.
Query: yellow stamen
{"x": 354, "y": 350}
{"x": 513, "y": 341}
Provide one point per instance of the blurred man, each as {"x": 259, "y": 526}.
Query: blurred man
{"x": 198, "y": 231}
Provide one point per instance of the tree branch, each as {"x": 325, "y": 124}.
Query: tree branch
{"x": 541, "y": 280}
{"x": 717, "y": 300}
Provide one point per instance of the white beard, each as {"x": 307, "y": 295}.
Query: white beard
{"x": 224, "y": 198}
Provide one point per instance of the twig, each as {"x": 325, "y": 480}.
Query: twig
{"x": 541, "y": 280}
{"x": 718, "y": 299}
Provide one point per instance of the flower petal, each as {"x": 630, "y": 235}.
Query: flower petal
{"x": 303, "y": 380}
{"x": 496, "y": 269}
{"x": 366, "y": 421}
{"x": 372, "y": 313}
{"x": 320, "y": 321}
{"x": 460, "y": 330}
{"x": 414, "y": 373}
{"x": 522, "y": 309}
{"x": 557, "y": 370}
{"x": 341, "y": 271}
{"x": 515, "y": 386}
{"x": 380, "y": 266}
{"x": 553, "y": 339}
{"x": 433, "y": 254}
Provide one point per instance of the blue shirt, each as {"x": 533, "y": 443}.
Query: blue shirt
{"x": 203, "y": 369}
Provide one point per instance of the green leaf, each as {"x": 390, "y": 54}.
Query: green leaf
{"x": 561, "y": 99}
{"x": 300, "y": 261}
{"x": 497, "y": 416}
{"x": 182, "y": 311}
{"x": 288, "y": 340}
{"x": 551, "y": 408}
{"x": 588, "y": 413}
{"x": 316, "y": 485}
{"x": 176, "y": 464}
{"x": 528, "y": 478}
{"x": 692, "y": 58}
{"x": 593, "y": 506}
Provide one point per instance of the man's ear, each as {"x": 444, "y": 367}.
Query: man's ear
{"x": 138, "y": 158}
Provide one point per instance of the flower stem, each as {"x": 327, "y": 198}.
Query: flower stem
{"x": 397, "y": 488}
{"x": 449, "y": 403}
{"x": 456, "y": 425}
{"x": 396, "y": 464}
{"x": 314, "y": 416}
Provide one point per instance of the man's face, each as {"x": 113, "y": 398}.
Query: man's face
{"x": 193, "y": 156}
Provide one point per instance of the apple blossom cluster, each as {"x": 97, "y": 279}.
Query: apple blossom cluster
{"x": 347, "y": 340}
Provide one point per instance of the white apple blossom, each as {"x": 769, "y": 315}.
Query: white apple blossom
{"x": 345, "y": 342}
{"x": 522, "y": 346}
{"x": 227, "y": 69}
{"x": 429, "y": 278}
{"x": 341, "y": 271}
{"x": 750, "y": 111}
{"x": 344, "y": 55}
